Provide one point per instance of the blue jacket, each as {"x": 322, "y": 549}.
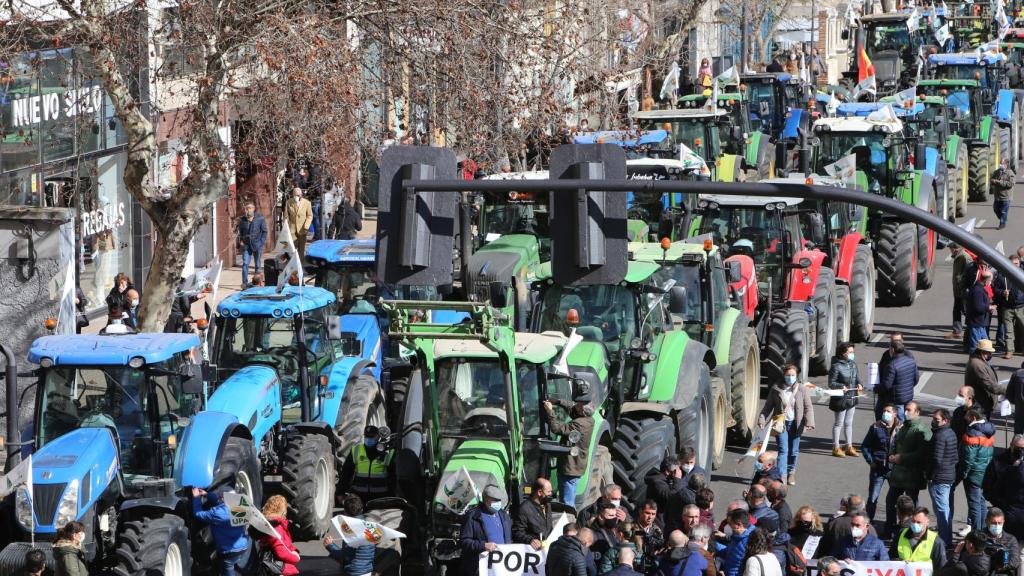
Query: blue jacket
{"x": 767, "y": 518}
{"x": 354, "y": 560}
{"x": 252, "y": 235}
{"x": 474, "y": 537}
{"x": 689, "y": 560}
{"x": 875, "y": 447}
{"x": 976, "y": 307}
{"x": 732, "y": 554}
{"x": 869, "y": 549}
{"x": 899, "y": 378}
{"x": 226, "y": 537}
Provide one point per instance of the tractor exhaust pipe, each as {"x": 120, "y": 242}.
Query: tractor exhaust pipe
{"x": 13, "y": 432}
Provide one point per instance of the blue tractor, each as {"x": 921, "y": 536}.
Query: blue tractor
{"x": 103, "y": 438}
{"x": 297, "y": 385}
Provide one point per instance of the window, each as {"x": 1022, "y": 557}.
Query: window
{"x": 471, "y": 397}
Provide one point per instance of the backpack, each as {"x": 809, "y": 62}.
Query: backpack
{"x": 796, "y": 565}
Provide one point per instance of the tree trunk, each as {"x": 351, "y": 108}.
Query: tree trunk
{"x": 169, "y": 255}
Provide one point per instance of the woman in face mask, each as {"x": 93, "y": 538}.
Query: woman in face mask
{"x": 806, "y": 524}
{"x": 67, "y": 550}
{"x": 876, "y": 446}
{"x": 790, "y": 412}
{"x": 844, "y": 376}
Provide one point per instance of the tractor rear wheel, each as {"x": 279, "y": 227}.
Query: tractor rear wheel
{"x": 695, "y": 424}
{"x": 896, "y": 263}
{"x": 926, "y": 238}
{"x": 308, "y": 480}
{"x": 720, "y": 407}
{"x": 153, "y": 546}
{"x": 745, "y": 378}
{"x": 788, "y": 339}
{"x": 238, "y": 460}
{"x": 824, "y": 302}
{"x": 843, "y": 305}
{"x": 600, "y": 465}
{"x": 641, "y": 442}
{"x": 1006, "y": 151}
{"x": 862, "y": 294}
{"x": 361, "y": 405}
{"x": 979, "y": 172}
{"x": 964, "y": 186}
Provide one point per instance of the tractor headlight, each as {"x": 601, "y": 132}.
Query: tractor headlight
{"x": 23, "y": 508}
{"x": 68, "y": 509}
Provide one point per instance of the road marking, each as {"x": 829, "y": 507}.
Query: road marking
{"x": 981, "y": 223}
{"x": 877, "y": 337}
{"x": 918, "y": 294}
{"x": 925, "y": 376}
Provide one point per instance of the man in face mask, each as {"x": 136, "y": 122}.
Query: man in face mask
{"x": 607, "y": 538}
{"x": 917, "y": 543}
{"x": 765, "y": 467}
{"x": 964, "y": 401}
{"x": 1007, "y": 554}
{"x": 910, "y": 456}
{"x": 981, "y": 376}
{"x": 131, "y": 314}
{"x": 1004, "y": 485}
{"x": 942, "y": 472}
{"x": 487, "y": 525}
{"x": 861, "y": 545}
{"x": 688, "y": 462}
{"x": 367, "y": 471}
{"x": 532, "y": 522}
{"x": 667, "y": 486}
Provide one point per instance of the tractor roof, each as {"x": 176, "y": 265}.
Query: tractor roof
{"x": 109, "y": 350}
{"x": 677, "y": 114}
{"x": 883, "y": 18}
{"x": 704, "y": 97}
{"x": 652, "y": 251}
{"x": 534, "y": 348}
{"x": 623, "y": 138}
{"x": 967, "y": 59}
{"x": 782, "y": 77}
{"x": 866, "y": 108}
{"x": 724, "y": 200}
{"x": 528, "y": 175}
{"x": 669, "y": 163}
{"x": 857, "y": 124}
{"x": 266, "y": 301}
{"x": 343, "y": 251}
{"x": 949, "y": 83}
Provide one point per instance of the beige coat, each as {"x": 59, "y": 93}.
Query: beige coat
{"x": 299, "y": 216}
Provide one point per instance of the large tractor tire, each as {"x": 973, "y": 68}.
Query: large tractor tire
{"x": 1006, "y": 151}
{"x": 766, "y": 161}
{"x": 695, "y": 424}
{"x": 896, "y": 263}
{"x": 862, "y": 294}
{"x": 843, "y": 305}
{"x": 153, "y": 546}
{"x": 362, "y": 405}
{"x": 744, "y": 379}
{"x": 978, "y": 174}
{"x": 788, "y": 339}
{"x": 1014, "y": 129}
{"x": 389, "y": 554}
{"x": 641, "y": 442}
{"x": 824, "y": 302}
{"x": 963, "y": 159}
{"x": 720, "y": 407}
{"x": 308, "y": 481}
{"x": 599, "y": 477}
{"x": 238, "y": 460}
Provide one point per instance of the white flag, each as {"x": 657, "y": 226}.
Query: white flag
{"x": 670, "y": 85}
{"x": 294, "y": 262}
{"x": 883, "y": 115}
{"x": 556, "y": 530}
{"x": 711, "y": 106}
{"x": 912, "y": 21}
{"x": 67, "y": 318}
{"x": 759, "y": 443}
{"x": 562, "y": 364}
{"x": 833, "y": 104}
{"x": 844, "y": 169}
{"x": 21, "y": 474}
{"x": 243, "y": 513}
{"x": 730, "y": 77}
{"x": 942, "y": 35}
{"x": 867, "y": 86}
{"x": 906, "y": 98}
{"x": 356, "y": 532}
{"x": 460, "y": 491}
{"x": 692, "y": 160}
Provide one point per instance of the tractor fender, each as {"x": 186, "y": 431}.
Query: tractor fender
{"x": 1003, "y": 107}
{"x": 952, "y": 148}
{"x": 791, "y": 129}
{"x": 82, "y": 455}
{"x": 931, "y": 161}
{"x": 321, "y": 428}
{"x": 145, "y": 506}
{"x": 341, "y": 373}
{"x": 253, "y": 396}
{"x": 923, "y": 188}
{"x": 198, "y": 451}
{"x": 726, "y": 167}
{"x": 752, "y": 149}
{"x": 366, "y": 327}
{"x": 648, "y": 407}
{"x": 985, "y": 130}
{"x": 723, "y": 331}
{"x": 803, "y": 281}
{"x": 745, "y": 288}
{"x": 847, "y": 253}
{"x": 677, "y": 374}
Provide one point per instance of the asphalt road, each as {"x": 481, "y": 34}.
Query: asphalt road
{"x": 821, "y": 478}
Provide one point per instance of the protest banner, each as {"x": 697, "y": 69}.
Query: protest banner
{"x": 514, "y": 560}
{"x": 244, "y": 513}
{"x": 896, "y": 568}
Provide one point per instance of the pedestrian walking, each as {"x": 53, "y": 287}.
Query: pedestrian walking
{"x": 759, "y": 559}
{"x": 733, "y": 552}
{"x": 876, "y": 449}
{"x": 569, "y": 554}
{"x": 576, "y": 462}
{"x": 1012, "y": 314}
{"x": 909, "y": 457}
{"x": 979, "y": 310}
{"x": 230, "y": 541}
{"x": 299, "y": 214}
{"x": 682, "y": 559}
{"x": 1004, "y": 485}
{"x": 898, "y": 376}
{"x": 118, "y": 295}
{"x": 68, "y": 556}
{"x": 1015, "y": 394}
{"x": 792, "y": 65}
{"x": 532, "y": 522}
{"x": 353, "y": 560}
{"x": 487, "y": 525}
{"x": 918, "y": 543}
{"x": 844, "y": 375}
{"x": 1009, "y": 562}
{"x": 346, "y": 220}
{"x": 981, "y": 376}
{"x": 312, "y": 191}
{"x": 790, "y": 400}
{"x": 961, "y": 259}
{"x": 942, "y": 472}
{"x": 976, "y": 450}
{"x": 275, "y": 509}
{"x": 861, "y": 545}
{"x": 806, "y": 523}
{"x": 819, "y": 69}
{"x": 1001, "y": 183}
{"x": 35, "y": 564}
{"x": 367, "y": 470}
{"x": 251, "y": 236}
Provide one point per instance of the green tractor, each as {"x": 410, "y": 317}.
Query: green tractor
{"x": 740, "y": 136}
{"x": 712, "y": 316}
{"x": 892, "y": 48}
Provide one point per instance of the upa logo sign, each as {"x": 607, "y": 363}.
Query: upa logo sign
{"x": 513, "y": 560}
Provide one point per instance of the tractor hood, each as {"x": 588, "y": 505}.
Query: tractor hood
{"x": 71, "y": 472}
{"x": 888, "y": 65}
{"x": 485, "y": 460}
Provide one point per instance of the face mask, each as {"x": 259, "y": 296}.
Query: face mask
{"x": 916, "y": 528}
{"x": 616, "y": 503}
{"x": 996, "y": 529}
{"x": 496, "y": 506}
{"x": 687, "y": 468}
{"x": 887, "y": 417}
{"x": 935, "y": 425}
{"x": 805, "y": 524}
{"x": 758, "y": 466}
{"x": 370, "y": 442}
{"x": 610, "y": 523}
{"x": 851, "y": 357}
{"x": 857, "y": 533}
{"x": 790, "y": 380}
{"x": 134, "y": 303}
{"x": 960, "y": 400}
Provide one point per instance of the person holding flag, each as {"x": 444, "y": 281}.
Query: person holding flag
{"x": 354, "y": 560}
{"x": 230, "y": 540}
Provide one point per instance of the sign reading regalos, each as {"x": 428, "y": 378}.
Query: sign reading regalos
{"x": 56, "y": 105}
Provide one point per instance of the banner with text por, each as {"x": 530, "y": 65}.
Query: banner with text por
{"x": 517, "y": 560}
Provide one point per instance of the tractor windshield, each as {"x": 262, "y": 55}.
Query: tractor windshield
{"x": 965, "y": 72}
{"x": 471, "y": 397}
{"x": 687, "y": 276}
{"x": 691, "y": 133}
{"x": 134, "y": 404}
{"x": 523, "y": 215}
{"x": 348, "y": 283}
{"x": 869, "y": 149}
{"x": 607, "y": 313}
{"x": 888, "y": 38}
{"x": 755, "y": 232}
{"x": 763, "y": 106}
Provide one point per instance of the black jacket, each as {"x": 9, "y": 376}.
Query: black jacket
{"x": 876, "y": 445}
{"x": 843, "y": 374}
{"x": 474, "y": 537}
{"x": 1006, "y": 293}
{"x": 1004, "y": 488}
{"x": 345, "y": 222}
{"x": 785, "y": 515}
{"x": 977, "y": 305}
{"x": 966, "y": 565}
{"x": 1015, "y": 389}
{"x": 252, "y": 235}
{"x": 531, "y": 522}
{"x": 898, "y": 378}
{"x": 566, "y": 556}
{"x": 1010, "y": 562}
{"x": 671, "y": 494}
{"x": 944, "y": 455}
{"x": 119, "y": 299}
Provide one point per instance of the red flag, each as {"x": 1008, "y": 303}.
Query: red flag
{"x": 865, "y": 69}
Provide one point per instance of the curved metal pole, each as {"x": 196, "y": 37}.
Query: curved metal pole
{"x": 792, "y": 190}
{"x": 13, "y": 434}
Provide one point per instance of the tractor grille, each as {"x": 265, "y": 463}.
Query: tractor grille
{"x": 45, "y": 499}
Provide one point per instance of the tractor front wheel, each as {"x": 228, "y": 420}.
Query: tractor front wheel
{"x": 154, "y": 546}
{"x": 788, "y": 339}
{"x": 308, "y": 480}
{"x": 979, "y": 172}
{"x": 720, "y": 407}
{"x": 824, "y": 302}
{"x": 745, "y": 379}
{"x": 862, "y": 294}
{"x": 842, "y": 296}
{"x": 641, "y": 442}
{"x": 361, "y": 405}
{"x": 896, "y": 263}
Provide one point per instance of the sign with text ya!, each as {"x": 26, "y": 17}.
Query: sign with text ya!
{"x": 878, "y": 568}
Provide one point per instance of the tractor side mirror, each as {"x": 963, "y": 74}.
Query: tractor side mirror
{"x": 677, "y": 299}
{"x": 497, "y": 293}
{"x": 192, "y": 379}
{"x": 334, "y": 327}
{"x": 733, "y": 271}
{"x": 845, "y": 34}
{"x": 737, "y": 133}
{"x": 920, "y": 162}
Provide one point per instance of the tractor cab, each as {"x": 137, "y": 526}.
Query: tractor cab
{"x": 735, "y": 126}
{"x": 882, "y": 154}
{"x": 893, "y": 49}
{"x": 692, "y": 127}
{"x": 778, "y": 104}
{"x": 959, "y": 102}
{"x": 987, "y": 69}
